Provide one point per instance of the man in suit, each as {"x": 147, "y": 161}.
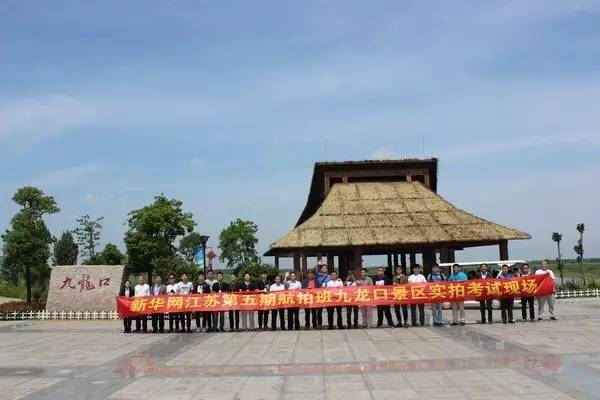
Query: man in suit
{"x": 263, "y": 285}
{"x": 158, "y": 319}
{"x": 485, "y": 304}
{"x": 219, "y": 316}
{"x": 381, "y": 280}
{"x": 203, "y": 287}
{"x": 234, "y": 315}
{"x": 310, "y": 313}
{"x": 247, "y": 315}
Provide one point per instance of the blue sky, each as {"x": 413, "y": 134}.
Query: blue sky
{"x": 227, "y": 105}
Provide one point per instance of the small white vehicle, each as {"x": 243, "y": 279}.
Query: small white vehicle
{"x": 472, "y": 268}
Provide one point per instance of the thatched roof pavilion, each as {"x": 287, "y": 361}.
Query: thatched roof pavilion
{"x": 388, "y": 214}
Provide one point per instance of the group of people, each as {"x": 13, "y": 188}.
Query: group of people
{"x": 320, "y": 276}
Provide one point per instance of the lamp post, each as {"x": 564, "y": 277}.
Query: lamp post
{"x": 203, "y": 240}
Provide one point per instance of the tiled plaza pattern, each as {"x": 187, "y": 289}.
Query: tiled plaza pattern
{"x": 93, "y": 360}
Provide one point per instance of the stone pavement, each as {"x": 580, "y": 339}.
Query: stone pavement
{"x": 93, "y": 360}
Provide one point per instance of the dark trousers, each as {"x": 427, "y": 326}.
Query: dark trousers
{"x": 293, "y": 318}
{"x": 158, "y": 322}
{"x": 173, "y": 318}
{"x": 319, "y": 317}
{"x": 349, "y": 320}
{"x": 263, "y": 319}
{"x": 506, "y": 308}
{"x": 281, "y": 313}
{"x": 483, "y": 306}
{"x": 206, "y": 320}
{"x": 219, "y": 321}
{"x": 143, "y": 322}
{"x": 234, "y": 320}
{"x": 330, "y": 311}
{"x": 413, "y": 314}
{"x": 381, "y": 311}
{"x": 127, "y": 325}
{"x": 525, "y": 302}
{"x": 310, "y": 314}
{"x": 404, "y": 313}
{"x": 185, "y": 318}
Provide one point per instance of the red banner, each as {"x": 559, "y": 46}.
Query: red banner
{"x": 536, "y": 285}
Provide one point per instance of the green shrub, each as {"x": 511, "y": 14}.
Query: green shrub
{"x": 15, "y": 292}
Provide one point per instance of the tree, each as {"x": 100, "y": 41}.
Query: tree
{"x": 152, "y": 232}
{"x": 579, "y": 249}
{"x": 255, "y": 268}
{"x": 111, "y": 255}
{"x": 238, "y": 244}
{"x": 65, "y": 249}
{"x": 27, "y": 243}
{"x": 187, "y": 245}
{"x": 88, "y": 235}
{"x": 557, "y": 237}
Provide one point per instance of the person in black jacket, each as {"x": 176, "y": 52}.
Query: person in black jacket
{"x": 234, "y": 315}
{"x": 485, "y": 304}
{"x": 219, "y": 317}
{"x": 247, "y": 315}
{"x": 381, "y": 280}
{"x": 311, "y": 313}
{"x": 200, "y": 287}
{"x": 126, "y": 291}
{"x": 263, "y": 285}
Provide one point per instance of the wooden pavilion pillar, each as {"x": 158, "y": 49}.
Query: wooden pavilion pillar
{"x": 277, "y": 262}
{"x": 503, "y": 247}
{"x": 330, "y": 260}
{"x": 304, "y": 266}
{"x": 356, "y": 261}
{"x": 390, "y": 269}
{"x": 428, "y": 260}
{"x": 395, "y": 261}
{"x": 296, "y": 261}
{"x": 403, "y": 260}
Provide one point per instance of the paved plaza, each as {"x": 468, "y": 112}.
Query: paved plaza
{"x": 93, "y": 360}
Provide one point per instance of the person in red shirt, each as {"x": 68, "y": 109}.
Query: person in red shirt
{"x": 310, "y": 314}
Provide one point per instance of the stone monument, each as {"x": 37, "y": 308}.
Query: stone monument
{"x": 84, "y": 287}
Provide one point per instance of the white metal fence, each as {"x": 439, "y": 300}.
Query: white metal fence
{"x": 58, "y": 315}
{"x": 566, "y": 294}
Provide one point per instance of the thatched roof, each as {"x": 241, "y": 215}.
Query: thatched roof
{"x": 317, "y": 189}
{"x": 388, "y": 215}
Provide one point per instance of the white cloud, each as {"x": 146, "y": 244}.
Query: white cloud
{"x": 67, "y": 175}
{"x": 197, "y": 161}
{"x": 383, "y": 154}
{"x": 93, "y": 198}
{"x": 34, "y": 118}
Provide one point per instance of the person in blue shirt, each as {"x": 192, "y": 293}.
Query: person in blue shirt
{"x": 458, "y": 307}
{"x": 322, "y": 276}
{"x": 436, "y": 308}
{"x": 506, "y": 305}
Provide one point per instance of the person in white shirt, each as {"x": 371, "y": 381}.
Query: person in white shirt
{"x": 276, "y": 287}
{"x": 293, "y": 312}
{"x": 141, "y": 290}
{"x": 173, "y": 289}
{"x": 335, "y": 282}
{"x": 417, "y": 277}
{"x": 158, "y": 319}
{"x": 351, "y": 322}
{"x": 185, "y": 287}
{"x": 549, "y": 299}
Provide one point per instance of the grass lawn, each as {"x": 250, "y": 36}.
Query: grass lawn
{"x": 572, "y": 272}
